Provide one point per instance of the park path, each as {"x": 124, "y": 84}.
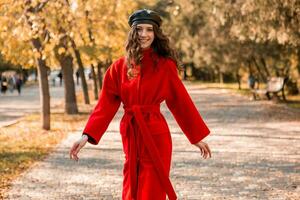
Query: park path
{"x": 14, "y": 106}
{"x": 255, "y": 155}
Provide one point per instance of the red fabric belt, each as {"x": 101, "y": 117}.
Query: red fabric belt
{"x": 136, "y": 111}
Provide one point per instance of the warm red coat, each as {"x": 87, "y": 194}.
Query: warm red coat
{"x": 145, "y": 134}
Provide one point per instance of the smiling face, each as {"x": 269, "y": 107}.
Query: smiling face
{"x": 146, "y": 35}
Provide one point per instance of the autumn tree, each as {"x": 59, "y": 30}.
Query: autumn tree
{"x": 274, "y": 26}
{"x": 23, "y": 38}
{"x": 235, "y": 37}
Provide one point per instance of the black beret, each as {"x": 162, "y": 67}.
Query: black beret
{"x": 144, "y": 16}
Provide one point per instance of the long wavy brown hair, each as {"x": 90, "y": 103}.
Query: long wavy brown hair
{"x": 160, "y": 44}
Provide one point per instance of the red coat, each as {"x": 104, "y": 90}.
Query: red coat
{"x": 145, "y": 134}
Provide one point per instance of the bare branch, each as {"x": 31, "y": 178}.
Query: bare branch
{"x": 37, "y": 8}
{"x": 41, "y": 5}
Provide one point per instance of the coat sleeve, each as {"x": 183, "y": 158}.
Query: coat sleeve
{"x": 106, "y": 107}
{"x": 182, "y": 107}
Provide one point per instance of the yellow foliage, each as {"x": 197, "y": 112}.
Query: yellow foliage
{"x": 61, "y": 50}
{"x": 99, "y": 25}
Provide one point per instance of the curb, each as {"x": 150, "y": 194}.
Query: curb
{"x": 9, "y": 123}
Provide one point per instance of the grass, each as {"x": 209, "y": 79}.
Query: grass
{"x": 24, "y": 143}
{"x": 293, "y": 101}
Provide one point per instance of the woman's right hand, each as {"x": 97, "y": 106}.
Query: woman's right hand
{"x": 204, "y": 148}
{"x": 77, "y": 146}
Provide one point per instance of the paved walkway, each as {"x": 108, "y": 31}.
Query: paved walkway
{"x": 14, "y": 106}
{"x": 255, "y": 155}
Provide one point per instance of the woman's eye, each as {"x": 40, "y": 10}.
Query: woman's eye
{"x": 139, "y": 30}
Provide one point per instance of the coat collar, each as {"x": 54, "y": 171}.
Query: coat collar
{"x": 147, "y": 52}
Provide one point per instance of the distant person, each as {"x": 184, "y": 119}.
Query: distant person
{"x": 251, "y": 81}
{"x": 53, "y": 81}
{"x": 11, "y": 83}
{"x": 60, "y": 76}
{"x": 251, "y": 84}
{"x": 77, "y": 76}
{"x": 90, "y": 75}
{"x": 19, "y": 83}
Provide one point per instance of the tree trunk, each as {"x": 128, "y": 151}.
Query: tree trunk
{"x": 81, "y": 73}
{"x": 43, "y": 86}
{"x": 220, "y": 73}
{"x": 238, "y": 78}
{"x": 298, "y": 69}
{"x": 184, "y": 72}
{"x": 265, "y": 66}
{"x": 94, "y": 81}
{"x": 66, "y": 62}
{"x": 212, "y": 75}
{"x": 298, "y": 64}
{"x": 221, "y": 77}
{"x": 99, "y": 75}
{"x": 41, "y": 73}
{"x": 249, "y": 67}
{"x": 259, "y": 71}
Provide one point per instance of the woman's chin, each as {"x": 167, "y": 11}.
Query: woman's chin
{"x": 145, "y": 46}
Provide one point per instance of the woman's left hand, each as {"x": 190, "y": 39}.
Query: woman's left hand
{"x": 204, "y": 148}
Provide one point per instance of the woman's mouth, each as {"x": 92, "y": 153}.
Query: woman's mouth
{"x": 143, "y": 40}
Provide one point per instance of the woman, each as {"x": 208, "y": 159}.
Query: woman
{"x": 141, "y": 80}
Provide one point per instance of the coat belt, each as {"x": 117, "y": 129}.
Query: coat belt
{"x": 135, "y": 112}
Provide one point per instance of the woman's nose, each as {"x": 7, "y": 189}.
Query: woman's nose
{"x": 143, "y": 32}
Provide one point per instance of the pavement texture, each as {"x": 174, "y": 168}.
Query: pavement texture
{"x": 255, "y": 155}
{"x": 14, "y": 106}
